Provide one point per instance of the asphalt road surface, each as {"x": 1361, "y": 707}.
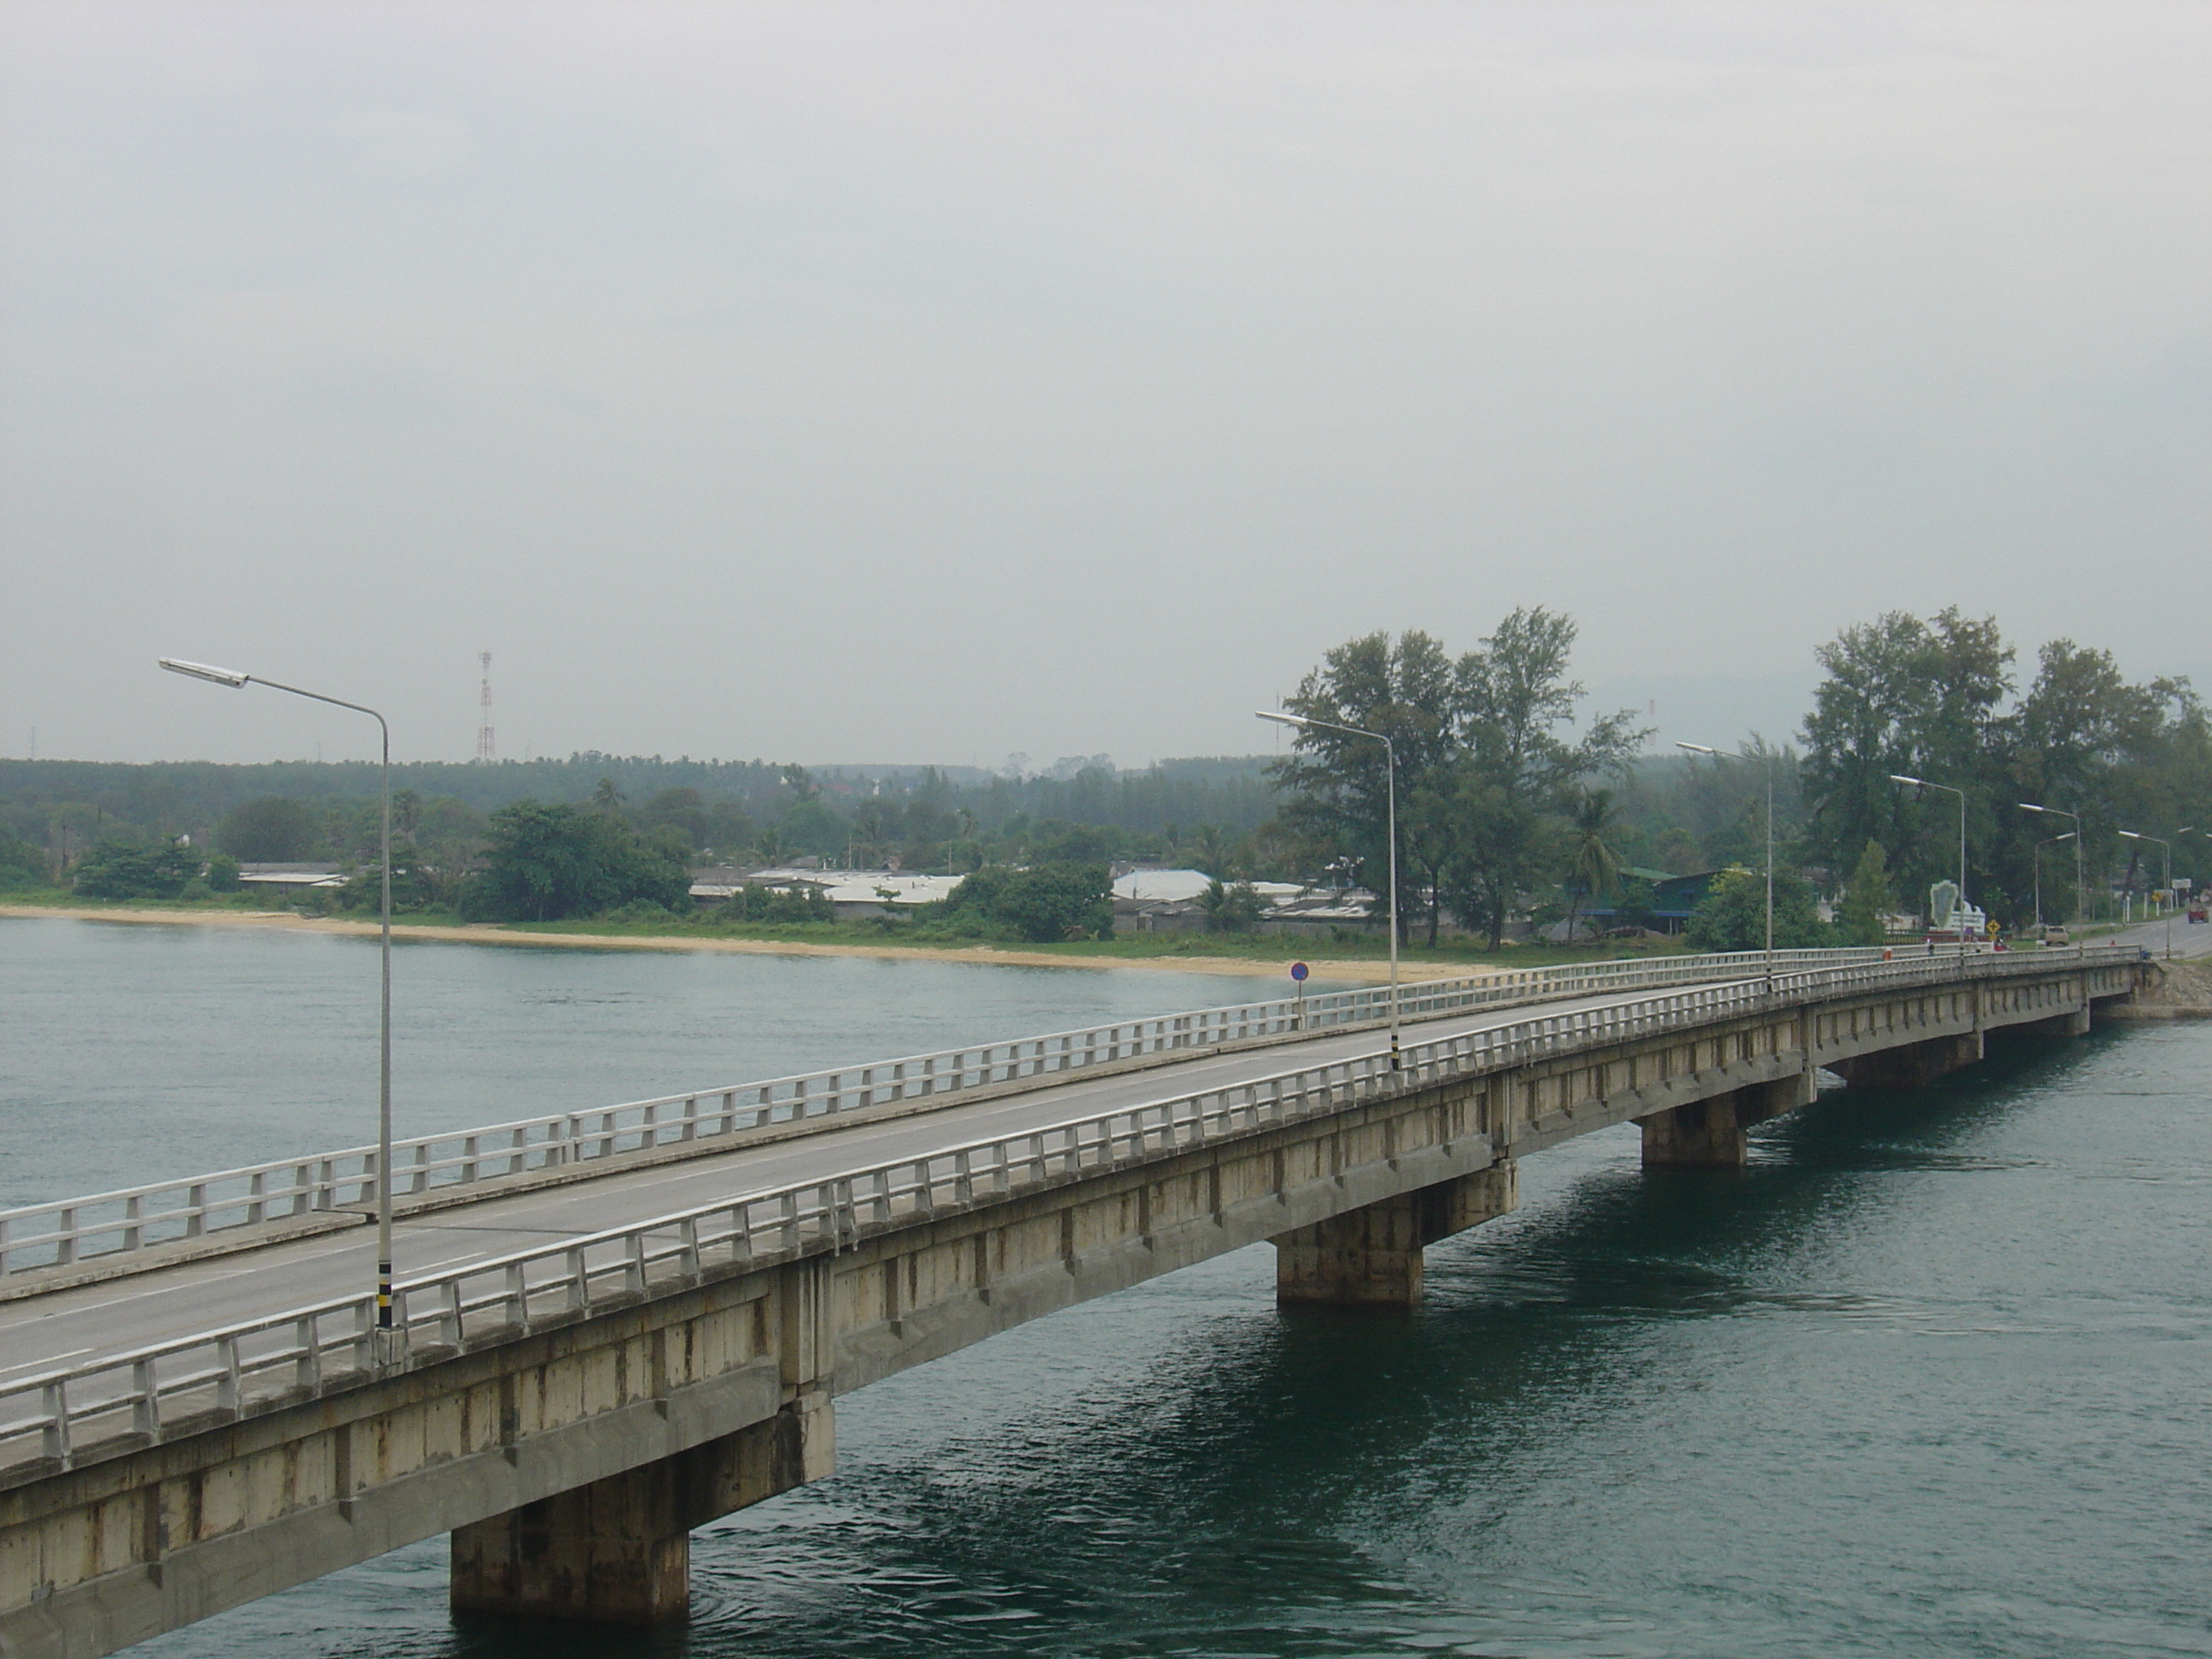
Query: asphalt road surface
{"x": 76, "y": 1327}
{"x": 2190, "y": 938}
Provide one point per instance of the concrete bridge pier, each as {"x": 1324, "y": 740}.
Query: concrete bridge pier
{"x": 618, "y": 1551}
{"x": 1917, "y": 1065}
{"x": 1371, "y": 1256}
{"x": 2073, "y": 1024}
{"x": 1711, "y": 1134}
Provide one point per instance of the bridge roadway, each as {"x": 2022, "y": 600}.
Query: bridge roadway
{"x": 643, "y": 1348}
{"x": 75, "y": 1326}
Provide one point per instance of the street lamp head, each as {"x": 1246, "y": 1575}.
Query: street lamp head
{"x": 1696, "y": 748}
{"x": 200, "y": 670}
{"x": 2030, "y": 806}
{"x": 2130, "y": 835}
{"x": 1899, "y": 777}
{"x": 1282, "y": 719}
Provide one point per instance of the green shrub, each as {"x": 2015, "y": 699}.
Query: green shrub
{"x": 1732, "y": 915}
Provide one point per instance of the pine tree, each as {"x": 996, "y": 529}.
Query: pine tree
{"x": 1867, "y": 898}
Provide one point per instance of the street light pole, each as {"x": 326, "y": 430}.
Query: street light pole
{"x": 232, "y": 677}
{"x": 1700, "y": 749}
{"x": 2167, "y": 848}
{"x": 1390, "y": 820}
{"x": 2036, "y": 857}
{"x": 1922, "y": 783}
{"x": 2081, "y": 896}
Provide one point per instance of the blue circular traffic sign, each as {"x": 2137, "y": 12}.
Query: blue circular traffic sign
{"x": 1297, "y": 970}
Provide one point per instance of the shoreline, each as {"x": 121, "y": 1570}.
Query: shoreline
{"x": 1357, "y": 972}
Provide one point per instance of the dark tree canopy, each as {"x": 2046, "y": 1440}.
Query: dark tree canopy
{"x": 270, "y": 830}
{"x": 1046, "y": 903}
{"x": 120, "y": 870}
{"x": 1936, "y": 700}
{"x": 1485, "y": 774}
{"x": 546, "y": 863}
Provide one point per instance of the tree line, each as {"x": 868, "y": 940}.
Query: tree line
{"x": 1945, "y": 700}
{"x": 53, "y": 813}
{"x": 1509, "y": 807}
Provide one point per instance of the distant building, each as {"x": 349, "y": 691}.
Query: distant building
{"x": 292, "y": 878}
{"x": 1672, "y": 898}
{"x": 855, "y": 893}
{"x": 1148, "y": 900}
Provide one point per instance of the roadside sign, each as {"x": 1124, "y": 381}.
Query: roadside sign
{"x": 1298, "y": 970}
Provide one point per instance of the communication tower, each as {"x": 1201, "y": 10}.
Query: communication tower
{"x": 486, "y": 747}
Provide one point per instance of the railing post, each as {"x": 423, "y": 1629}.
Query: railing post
{"x": 307, "y": 1360}
{"x": 53, "y": 1400}
{"x": 226, "y": 1382}
{"x": 145, "y": 1398}
{"x": 687, "y": 1247}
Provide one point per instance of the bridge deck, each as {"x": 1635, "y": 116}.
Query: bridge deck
{"x": 74, "y": 1326}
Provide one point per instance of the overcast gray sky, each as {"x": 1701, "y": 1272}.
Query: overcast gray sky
{"x": 927, "y": 381}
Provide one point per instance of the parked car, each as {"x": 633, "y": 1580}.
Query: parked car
{"x": 2056, "y": 936}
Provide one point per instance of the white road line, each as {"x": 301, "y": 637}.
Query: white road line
{"x": 140, "y": 1296}
{"x": 447, "y": 1261}
{"x": 33, "y": 1365}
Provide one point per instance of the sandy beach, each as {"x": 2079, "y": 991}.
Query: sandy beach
{"x": 1363, "y": 972}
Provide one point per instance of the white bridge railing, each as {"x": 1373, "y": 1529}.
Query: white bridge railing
{"x": 104, "y": 1407}
{"x": 108, "y": 1225}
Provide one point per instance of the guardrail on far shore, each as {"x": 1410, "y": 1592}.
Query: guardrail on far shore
{"x": 102, "y": 1406}
{"x": 105, "y": 1225}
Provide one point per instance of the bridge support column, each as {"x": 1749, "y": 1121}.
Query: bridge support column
{"x": 618, "y": 1551}
{"x": 2072, "y": 1023}
{"x": 1708, "y": 1135}
{"x": 1914, "y": 1066}
{"x": 1371, "y": 1256}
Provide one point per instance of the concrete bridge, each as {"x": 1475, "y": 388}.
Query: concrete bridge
{"x": 616, "y": 1326}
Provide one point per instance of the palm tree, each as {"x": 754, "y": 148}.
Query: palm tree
{"x": 1213, "y": 851}
{"x": 1593, "y": 868}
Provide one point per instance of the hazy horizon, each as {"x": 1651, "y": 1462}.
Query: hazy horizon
{"x": 805, "y": 380}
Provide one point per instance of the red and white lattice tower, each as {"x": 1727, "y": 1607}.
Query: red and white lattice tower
{"x": 486, "y": 747}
